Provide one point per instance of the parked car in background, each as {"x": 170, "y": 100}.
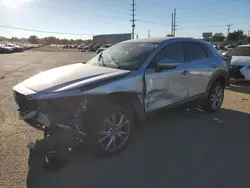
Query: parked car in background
{"x": 90, "y": 48}
{"x": 230, "y": 46}
{"x": 80, "y": 47}
{"x": 220, "y": 47}
{"x": 239, "y": 58}
{"x": 16, "y": 48}
{"x": 87, "y": 48}
{"x": 96, "y": 47}
{"x": 100, "y": 102}
{"x": 65, "y": 46}
{"x": 5, "y": 49}
{"x": 103, "y": 47}
{"x": 10, "y": 48}
{"x": 84, "y": 48}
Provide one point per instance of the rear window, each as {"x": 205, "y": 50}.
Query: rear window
{"x": 240, "y": 51}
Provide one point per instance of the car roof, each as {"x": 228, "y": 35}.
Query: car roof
{"x": 164, "y": 39}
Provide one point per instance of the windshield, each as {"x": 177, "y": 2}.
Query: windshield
{"x": 240, "y": 51}
{"x": 124, "y": 55}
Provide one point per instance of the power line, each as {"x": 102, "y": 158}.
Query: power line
{"x": 42, "y": 31}
{"x": 102, "y": 10}
{"x": 173, "y": 26}
{"x": 66, "y": 2}
{"x": 208, "y": 8}
{"x": 133, "y": 19}
{"x": 120, "y": 5}
{"x": 82, "y": 7}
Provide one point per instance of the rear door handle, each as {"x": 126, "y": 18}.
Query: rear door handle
{"x": 184, "y": 73}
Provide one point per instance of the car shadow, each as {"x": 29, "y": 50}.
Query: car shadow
{"x": 174, "y": 148}
{"x": 240, "y": 87}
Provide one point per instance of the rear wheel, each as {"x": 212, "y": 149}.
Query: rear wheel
{"x": 215, "y": 98}
{"x": 111, "y": 131}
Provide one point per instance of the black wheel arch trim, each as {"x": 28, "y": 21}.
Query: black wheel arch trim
{"x": 215, "y": 76}
{"x": 128, "y": 99}
{"x": 131, "y": 100}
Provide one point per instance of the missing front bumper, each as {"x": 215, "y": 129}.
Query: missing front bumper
{"x": 60, "y": 136}
{"x": 56, "y": 148}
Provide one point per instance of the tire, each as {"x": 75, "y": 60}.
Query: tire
{"x": 106, "y": 137}
{"x": 216, "y": 93}
{"x": 49, "y": 131}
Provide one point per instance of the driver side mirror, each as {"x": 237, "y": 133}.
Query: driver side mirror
{"x": 167, "y": 64}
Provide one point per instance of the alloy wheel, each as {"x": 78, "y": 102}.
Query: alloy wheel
{"x": 216, "y": 97}
{"x": 114, "y": 132}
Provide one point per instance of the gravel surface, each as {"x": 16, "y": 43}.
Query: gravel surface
{"x": 173, "y": 149}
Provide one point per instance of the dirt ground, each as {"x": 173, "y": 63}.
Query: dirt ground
{"x": 173, "y": 149}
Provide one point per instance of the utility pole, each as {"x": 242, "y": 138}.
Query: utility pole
{"x": 172, "y": 24}
{"x": 228, "y": 28}
{"x": 248, "y": 33}
{"x": 148, "y": 33}
{"x": 228, "y": 31}
{"x": 174, "y": 21}
{"x": 133, "y": 19}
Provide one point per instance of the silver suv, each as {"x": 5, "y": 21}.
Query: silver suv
{"x": 101, "y": 101}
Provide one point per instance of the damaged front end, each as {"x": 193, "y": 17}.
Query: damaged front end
{"x": 63, "y": 120}
{"x": 239, "y": 72}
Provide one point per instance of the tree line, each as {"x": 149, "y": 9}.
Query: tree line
{"x": 47, "y": 40}
{"x": 235, "y": 36}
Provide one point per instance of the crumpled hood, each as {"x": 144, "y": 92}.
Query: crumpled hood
{"x": 70, "y": 77}
{"x": 240, "y": 60}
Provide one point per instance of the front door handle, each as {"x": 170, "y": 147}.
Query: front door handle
{"x": 184, "y": 73}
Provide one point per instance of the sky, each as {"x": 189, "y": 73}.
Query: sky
{"x": 85, "y": 18}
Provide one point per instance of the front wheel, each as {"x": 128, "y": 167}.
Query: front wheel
{"x": 215, "y": 98}
{"x": 111, "y": 131}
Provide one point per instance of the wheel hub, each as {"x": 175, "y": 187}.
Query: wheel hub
{"x": 114, "y": 132}
{"x": 216, "y": 97}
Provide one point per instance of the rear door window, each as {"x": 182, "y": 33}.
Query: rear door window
{"x": 207, "y": 49}
{"x": 194, "y": 51}
{"x": 173, "y": 51}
